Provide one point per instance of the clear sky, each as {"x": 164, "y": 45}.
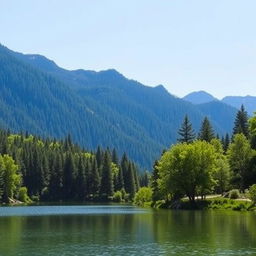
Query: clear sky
{"x": 186, "y": 45}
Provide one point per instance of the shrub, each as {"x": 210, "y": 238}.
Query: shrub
{"x": 239, "y": 207}
{"x": 23, "y": 195}
{"x": 117, "y": 197}
{"x": 234, "y": 194}
{"x": 252, "y": 193}
{"x": 144, "y": 195}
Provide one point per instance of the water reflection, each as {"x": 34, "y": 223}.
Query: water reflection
{"x": 129, "y": 232}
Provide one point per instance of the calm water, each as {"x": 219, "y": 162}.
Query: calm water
{"x": 124, "y": 230}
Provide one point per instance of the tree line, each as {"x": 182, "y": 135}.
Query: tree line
{"x": 203, "y": 163}
{"x": 51, "y": 170}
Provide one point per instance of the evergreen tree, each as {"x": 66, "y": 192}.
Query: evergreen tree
{"x": 154, "y": 183}
{"x": 56, "y": 183}
{"x": 206, "y": 132}
{"x": 115, "y": 157}
{"x": 94, "y": 179}
{"x": 144, "y": 179}
{"x": 120, "y": 179}
{"x": 81, "y": 180}
{"x": 107, "y": 186}
{"x": 124, "y": 169}
{"x": 241, "y": 123}
{"x": 130, "y": 182}
{"x": 226, "y": 143}
{"x": 186, "y": 131}
{"x": 68, "y": 177}
{"x": 136, "y": 178}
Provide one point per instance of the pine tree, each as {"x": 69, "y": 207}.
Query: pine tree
{"x": 55, "y": 182}
{"x": 226, "y": 143}
{"x": 154, "y": 183}
{"x": 130, "y": 182}
{"x": 206, "y": 132}
{"x": 186, "y": 131}
{"x": 115, "y": 157}
{"x": 107, "y": 186}
{"x": 120, "y": 180}
{"x": 68, "y": 177}
{"x": 124, "y": 169}
{"x": 136, "y": 178}
{"x": 241, "y": 123}
{"x": 94, "y": 179}
{"x": 81, "y": 180}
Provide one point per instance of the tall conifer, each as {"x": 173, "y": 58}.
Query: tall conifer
{"x": 186, "y": 131}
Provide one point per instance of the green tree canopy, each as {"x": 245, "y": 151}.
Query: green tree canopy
{"x": 10, "y": 178}
{"x": 252, "y": 129}
{"x": 144, "y": 195}
{"x": 239, "y": 154}
{"x": 187, "y": 168}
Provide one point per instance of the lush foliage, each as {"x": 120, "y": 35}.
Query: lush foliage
{"x": 188, "y": 169}
{"x": 208, "y": 165}
{"x": 9, "y": 177}
{"x": 240, "y": 154}
{"x": 143, "y": 196}
{"x": 252, "y": 192}
{"x": 50, "y": 170}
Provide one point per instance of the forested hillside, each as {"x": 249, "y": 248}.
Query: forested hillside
{"x": 51, "y": 170}
{"x": 96, "y": 108}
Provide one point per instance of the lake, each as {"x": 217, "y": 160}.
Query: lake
{"x": 124, "y": 230}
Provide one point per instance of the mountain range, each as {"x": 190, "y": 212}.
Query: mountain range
{"x": 97, "y": 108}
{"x": 200, "y": 97}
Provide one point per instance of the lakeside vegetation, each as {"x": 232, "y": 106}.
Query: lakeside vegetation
{"x": 36, "y": 169}
{"x": 33, "y": 169}
{"x": 202, "y": 165}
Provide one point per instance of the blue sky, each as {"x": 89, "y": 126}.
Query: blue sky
{"x": 185, "y": 45}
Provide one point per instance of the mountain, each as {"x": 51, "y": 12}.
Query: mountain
{"x": 249, "y": 102}
{"x": 97, "y": 108}
{"x": 199, "y": 97}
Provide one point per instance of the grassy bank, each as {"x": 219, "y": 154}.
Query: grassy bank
{"x": 207, "y": 204}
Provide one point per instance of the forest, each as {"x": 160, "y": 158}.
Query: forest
{"x": 203, "y": 165}
{"x": 34, "y": 169}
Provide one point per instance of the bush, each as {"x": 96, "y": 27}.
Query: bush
{"x": 23, "y": 195}
{"x": 234, "y": 194}
{"x": 144, "y": 195}
{"x": 117, "y": 197}
{"x": 252, "y": 193}
{"x": 239, "y": 207}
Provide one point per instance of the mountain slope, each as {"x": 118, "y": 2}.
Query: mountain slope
{"x": 199, "y": 97}
{"x": 219, "y": 112}
{"x": 249, "y": 102}
{"x": 96, "y": 108}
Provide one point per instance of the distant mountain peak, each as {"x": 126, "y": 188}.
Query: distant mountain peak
{"x": 160, "y": 88}
{"x": 248, "y": 101}
{"x": 199, "y": 97}
{"x": 111, "y": 72}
